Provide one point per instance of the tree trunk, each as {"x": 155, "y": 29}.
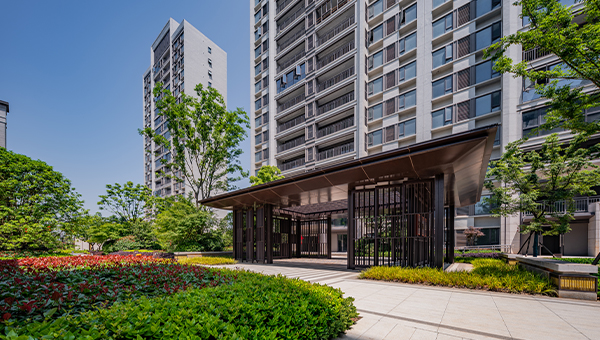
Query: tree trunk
{"x": 536, "y": 244}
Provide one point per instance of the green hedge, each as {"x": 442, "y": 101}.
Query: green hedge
{"x": 254, "y": 307}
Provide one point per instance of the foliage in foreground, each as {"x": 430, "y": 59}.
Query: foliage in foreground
{"x": 266, "y": 174}
{"x": 254, "y": 307}
{"x": 488, "y": 274}
{"x": 33, "y": 287}
{"x": 207, "y": 260}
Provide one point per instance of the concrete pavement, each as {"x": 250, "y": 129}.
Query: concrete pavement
{"x": 403, "y": 311}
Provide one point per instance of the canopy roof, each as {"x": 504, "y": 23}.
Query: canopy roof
{"x": 462, "y": 158}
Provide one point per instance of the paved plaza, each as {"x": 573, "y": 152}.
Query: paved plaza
{"x": 402, "y": 311}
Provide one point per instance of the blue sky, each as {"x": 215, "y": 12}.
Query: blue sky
{"x": 72, "y": 73}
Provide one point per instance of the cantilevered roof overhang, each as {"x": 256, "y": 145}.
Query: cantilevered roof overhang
{"x": 462, "y": 157}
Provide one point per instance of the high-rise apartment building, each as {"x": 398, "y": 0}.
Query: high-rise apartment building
{"x": 3, "y": 122}
{"x": 335, "y": 80}
{"x": 205, "y": 63}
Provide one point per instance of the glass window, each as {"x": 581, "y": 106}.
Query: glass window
{"x": 257, "y": 17}
{"x": 485, "y": 6}
{"x": 442, "y": 56}
{"x": 375, "y": 86}
{"x": 408, "y": 99}
{"x": 257, "y": 51}
{"x": 209, "y": 74}
{"x": 482, "y": 207}
{"x": 209, "y": 84}
{"x": 375, "y": 138}
{"x": 209, "y": 50}
{"x": 407, "y": 128}
{"x": 485, "y": 71}
{"x": 532, "y": 120}
{"x": 375, "y": 60}
{"x": 257, "y": 104}
{"x": 488, "y": 36}
{"x": 441, "y": 117}
{"x": 488, "y": 103}
{"x": 257, "y": 156}
{"x": 257, "y": 121}
{"x": 209, "y": 63}
{"x": 436, "y": 3}
{"x": 375, "y": 9}
{"x": 375, "y": 112}
{"x": 407, "y": 44}
{"x": 407, "y": 72}
{"x": 257, "y": 69}
{"x": 442, "y": 87}
{"x": 376, "y": 34}
{"x": 410, "y": 14}
{"x": 257, "y": 87}
{"x": 442, "y": 25}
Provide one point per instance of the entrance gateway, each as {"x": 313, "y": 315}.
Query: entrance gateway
{"x": 400, "y": 205}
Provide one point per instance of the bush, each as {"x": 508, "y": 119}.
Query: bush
{"x": 124, "y": 243}
{"x": 488, "y": 274}
{"x": 254, "y": 307}
{"x": 481, "y": 255}
{"x": 207, "y": 260}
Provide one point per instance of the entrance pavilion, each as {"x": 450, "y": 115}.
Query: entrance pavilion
{"x": 400, "y": 205}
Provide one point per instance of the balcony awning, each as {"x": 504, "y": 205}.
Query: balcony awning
{"x": 462, "y": 157}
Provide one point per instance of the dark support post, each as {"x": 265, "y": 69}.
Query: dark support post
{"x": 376, "y": 224}
{"x": 250, "y": 235}
{"x": 269, "y": 231}
{"x": 298, "y": 237}
{"x": 235, "y": 231}
{"x": 438, "y": 234}
{"x": 350, "y": 252}
{"x": 290, "y": 226}
{"x": 329, "y": 240}
{"x": 450, "y": 236}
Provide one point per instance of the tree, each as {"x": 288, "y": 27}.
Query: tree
{"x": 555, "y": 174}
{"x": 126, "y": 201}
{"x": 226, "y": 229}
{"x": 266, "y": 174}
{"x": 472, "y": 234}
{"x": 37, "y": 204}
{"x": 100, "y": 230}
{"x": 575, "y": 40}
{"x": 204, "y": 140}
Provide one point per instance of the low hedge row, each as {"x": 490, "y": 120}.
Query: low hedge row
{"x": 254, "y": 307}
{"x": 207, "y": 260}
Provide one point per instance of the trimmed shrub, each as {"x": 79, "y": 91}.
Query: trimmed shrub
{"x": 207, "y": 260}
{"x": 254, "y": 307}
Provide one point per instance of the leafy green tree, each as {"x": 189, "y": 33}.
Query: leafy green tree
{"x": 226, "y": 229}
{"x": 266, "y": 174}
{"x": 126, "y": 201}
{"x": 575, "y": 40}
{"x": 204, "y": 136}
{"x": 100, "y": 230}
{"x": 36, "y": 203}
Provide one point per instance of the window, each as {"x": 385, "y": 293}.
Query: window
{"x": 488, "y": 103}
{"x": 257, "y": 156}
{"x": 209, "y": 74}
{"x": 257, "y": 17}
{"x": 442, "y": 56}
{"x": 441, "y": 117}
{"x": 407, "y": 128}
{"x": 488, "y": 36}
{"x": 406, "y": 100}
{"x": 485, "y": 71}
{"x": 376, "y": 34}
{"x": 258, "y": 139}
{"x": 408, "y": 43}
{"x": 375, "y": 9}
{"x": 257, "y": 104}
{"x": 209, "y": 63}
{"x": 442, "y": 25}
{"x": 407, "y": 72}
{"x": 482, "y": 207}
{"x": 291, "y": 78}
{"x": 375, "y": 60}
{"x": 375, "y": 86}
{"x": 436, "y": 3}
{"x": 592, "y": 114}
{"x": 534, "y": 119}
{"x": 485, "y": 6}
{"x": 257, "y": 69}
{"x": 209, "y": 50}
{"x": 408, "y": 15}
{"x": 257, "y": 121}
{"x": 375, "y": 112}
{"x": 442, "y": 87}
{"x": 265, "y": 64}
{"x": 257, "y": 87}
{"x": 375, "y": 138}
{"x": 209, "y": 84}
{"x": 257, "y": 52}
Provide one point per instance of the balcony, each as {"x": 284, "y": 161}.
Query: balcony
{"x": 336, "y": 151}
{"x": 335, "y": 127}
{"x": 291, "y": 164}
{"x": 286, "y": 105}
{"x": 534, "y": 54}
{"x": 285, "y": 23}
{"x": 345, "y": 74}
{"x": 335, "y": 103}
{"x": 579, "y": 205}
{"x": 290, "y": 61}
{"x": 283, "y": 5}
{"x": 290, "y": 123}
{"x": 291, "y": 144}
{"x": 331, "y": 57}
{"x": 335, "y": 31}
{"x": 287, "y": 42}
{"x": 322, "y": 15}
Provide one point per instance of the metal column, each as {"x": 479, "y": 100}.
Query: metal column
{"x": 329, "y": 237}
{"x": 350, "y": 252}
{"x": 268, "y": 210}
{"x": 298, "y": 238}
{"x": 450, "y": 236}
{"x": 250, "y": 235}
{"x": 438, "y": 234}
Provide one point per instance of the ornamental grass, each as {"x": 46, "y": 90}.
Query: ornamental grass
{"x": 487, "y": 274}
{"x": 207, "y": 260}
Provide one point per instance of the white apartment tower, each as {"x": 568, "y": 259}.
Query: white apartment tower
{"x": 4, "y": 108}
{"x": 181, "y": 57}
{"x": 335, "y": 80}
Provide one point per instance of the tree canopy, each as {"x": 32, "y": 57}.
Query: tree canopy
{"x": 127, "y": 201}
{"x": 266, "y": 174}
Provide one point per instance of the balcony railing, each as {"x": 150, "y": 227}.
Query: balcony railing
{"x": 290, "y": 61}
{"x": 283, "y": 5}
{"x": 290, "y": 19}
{"x": 286, "y": 105}
{"x": 336, "y": 151}
{"x": 283, "y": 45}
{"x": 335, "y": 127}
{"x": 345, "y": 74}
{"x": 290, "y": 123}
{"x": 291, "y": 144}
{"x": 292, "y": 164}
{"x": 332, "y": 10}
{"x": 579, "y": 205}
{"x": 534, "y": 54}
{"x": 335, "y": 54}
{"x": 335, "y": 31}
{"x": 335, "y": 103}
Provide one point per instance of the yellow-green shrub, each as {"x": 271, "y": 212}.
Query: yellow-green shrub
{"x": 207, "y": 260}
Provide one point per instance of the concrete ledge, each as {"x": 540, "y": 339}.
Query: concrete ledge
{"x": 572, "y": 294}
{"x": 557, "y": 265}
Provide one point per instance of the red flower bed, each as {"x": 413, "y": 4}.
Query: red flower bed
{"x": 32, "y": 287}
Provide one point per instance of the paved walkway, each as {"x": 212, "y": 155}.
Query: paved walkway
{"x": 401, "y": 311}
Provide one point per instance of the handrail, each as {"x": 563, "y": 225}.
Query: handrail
{"x": 336, "y": 103}
{"x": 326, "y": 60}
{"x": 290, "y": 61}
{"x": 335, "y": 127}
{"x": 534, "y": 54}
{"x": 580, "y": 204}
{"x": 332, "y": 10}
{"x": 345, "y": 74}
{"x": 291, "y": 144}
{"x": 335, "y": 31}
{"x": 290, "y": 19}
{"x": 290, "y": 123}
{"x": 287, "y": 42}
{"x": 292, "y": 164}
{"x": 291, "y": 103}
{"x": 283, "y": 6}
{"x": 336, "y": 151}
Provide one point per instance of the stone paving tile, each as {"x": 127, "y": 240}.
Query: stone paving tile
{"x": 379, "y": 330}
{"x": 400, "y": 332}
{"x": 421, "y": 334}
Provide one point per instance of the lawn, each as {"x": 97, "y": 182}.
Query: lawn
{"x": 488, "y": 274}
{"x": 133, "y": 297}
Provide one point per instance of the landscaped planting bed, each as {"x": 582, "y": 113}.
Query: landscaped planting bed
{"x": 487, "y": 274}
{"x": 137, "y": 297}
{"x": 207, "y": 260}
